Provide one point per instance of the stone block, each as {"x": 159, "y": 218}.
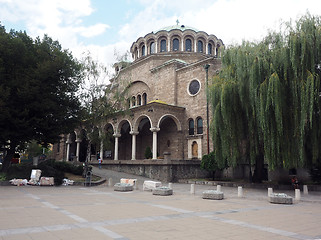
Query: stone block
{"x": 280, "y": 198}
{"x": 123, "y": 187}
{"x": 151, "y": 185}
{"x": 213, "y": 194}
{"x": 163, "y": 191}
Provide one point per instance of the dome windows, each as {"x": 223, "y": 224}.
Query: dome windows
{"x": 188, "y": 45}
{"x": 177, "y": 39}
{"x": 199, "y": 46}
{"x": 209, "y": 47}
{"x": 163, "y": 45}
{"x": 152, "y": 48}
{"x": 175, "y": 44}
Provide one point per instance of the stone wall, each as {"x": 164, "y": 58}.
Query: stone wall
{"x": 165, "y": 171}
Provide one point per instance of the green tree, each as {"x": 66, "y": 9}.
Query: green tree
{"x": 266, "y": 100}
{"x": 100, "y": 101}
{"x": 38, "y": 85}
{"x": 148, "y": 153}
{"x": 210, "y": 164}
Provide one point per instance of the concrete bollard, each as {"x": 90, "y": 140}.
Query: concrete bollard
{"x": 219, "y": 188}
{"x": 297, "y": 194}
{"x": 170, "y": 185}
{"x": 192, "y": 188}
{"x": 270, "y": 191}
{"x": 110, "y": 182}
{"x": 305, "y": 190}
{"x": 240, "y": 191}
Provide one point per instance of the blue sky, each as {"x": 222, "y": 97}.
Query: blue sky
{"x": 108, "y": 28}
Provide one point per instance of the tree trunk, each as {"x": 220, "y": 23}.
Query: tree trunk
{"x": 213, "y": 174}
{"x": 259, "y": 174}
{"x": 7, "y": 158}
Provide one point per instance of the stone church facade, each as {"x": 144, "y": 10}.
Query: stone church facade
{"x": 166, "y": 99}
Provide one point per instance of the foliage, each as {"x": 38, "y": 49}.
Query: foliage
{"x": 148, "y": 153}
{"x": 2, "y": 177}
{"x": 100, "y": 101}
{"x": 266, "y": 99}
{"x": 209, "y": 163}
{"x": 38, "y": 85}
{"x": 34, "y": 149}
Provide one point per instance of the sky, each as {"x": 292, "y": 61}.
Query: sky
{"x": 107, "y": 28}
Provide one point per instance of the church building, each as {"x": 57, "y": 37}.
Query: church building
{"x": 166, "y": 97}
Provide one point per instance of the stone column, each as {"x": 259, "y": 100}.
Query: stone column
{"x": 78, "y": 141}
{"x": 116, "y": 145}
{"x": 68, "y": 150}
{"x": 134, "y": 134}
{"x": 206, "y": 48}
{"x": 154, "y": 130}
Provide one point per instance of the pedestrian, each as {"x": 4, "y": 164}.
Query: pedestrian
{"x": 295, "y": 182}
{"x": 99, "y": 162}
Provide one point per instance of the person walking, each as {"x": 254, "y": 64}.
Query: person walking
{"x": 99, "y": 162}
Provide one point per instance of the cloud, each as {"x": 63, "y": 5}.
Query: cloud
{"x": 60, "y": 19}
{"x": 230, "y": 20}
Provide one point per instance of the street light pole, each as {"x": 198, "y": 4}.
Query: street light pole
{"x": 206, "y": 67}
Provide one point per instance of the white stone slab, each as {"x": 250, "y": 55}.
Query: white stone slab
{"x": 213, "y": 194}
{"x": 123, "y": 187}
{"x": 163, "y": 191}
{"x": 280, "y": 198}
{"x": 150, "y": 185}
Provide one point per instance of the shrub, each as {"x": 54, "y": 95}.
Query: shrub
{"x": 148, "y": 153}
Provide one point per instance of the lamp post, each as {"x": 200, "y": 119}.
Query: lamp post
{"x": 206, "y": 67}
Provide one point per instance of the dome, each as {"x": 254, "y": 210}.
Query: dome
{"x": 177, "y": 27}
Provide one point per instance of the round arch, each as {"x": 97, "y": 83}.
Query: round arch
{"x": 175, "y": 119}
{"x": 138, "y": 120}
{"x": 121, "y": 123}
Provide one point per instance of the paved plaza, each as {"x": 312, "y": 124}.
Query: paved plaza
{"x": 76, "y": 212}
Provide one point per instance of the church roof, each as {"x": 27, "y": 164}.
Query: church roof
{"x": 177, "y": 27}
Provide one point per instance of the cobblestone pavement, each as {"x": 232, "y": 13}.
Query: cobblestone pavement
{"x": 76, "y": 212}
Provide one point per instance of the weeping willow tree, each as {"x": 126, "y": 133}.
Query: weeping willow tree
{"x": 266, "y": 100}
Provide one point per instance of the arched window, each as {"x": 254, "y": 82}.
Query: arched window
{"x": 191, "y": 127}
{"x": 188, "y": 45}
{"x": 128, "y": 102}
{"x": 163, "y": 45}
{"x": 175, "y": 44}
{"x": 217, "y": 50}
{"x": 144, "y": 98}
{"x": 209, "y": 47}
{"x": 139, "y": 100}
{"x": 143, "y": 50}
{"x": 152, "y": 48}
{"x": 133, "y": 101}
{"x": 200, "y": 46}
{"x": 199, "y": 126}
